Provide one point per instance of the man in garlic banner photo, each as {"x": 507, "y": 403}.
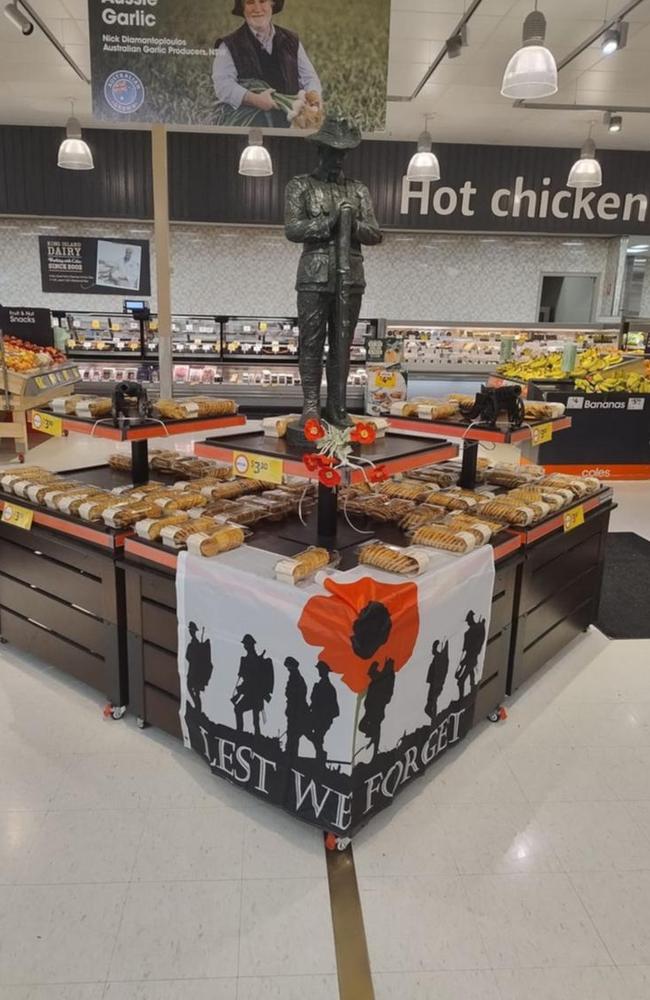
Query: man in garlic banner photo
{"x": 262, "y": 74}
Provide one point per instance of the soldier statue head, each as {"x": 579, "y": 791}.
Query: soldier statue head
{"x": 192, "y": 628}
{"x": 323, "y": 669}
{"x": 291, "y": 664}
{"x": 248, "y": 643}
{"x": 335, "y": 138}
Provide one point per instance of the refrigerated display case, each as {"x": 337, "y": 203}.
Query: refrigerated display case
{"x": 251, "y": 359}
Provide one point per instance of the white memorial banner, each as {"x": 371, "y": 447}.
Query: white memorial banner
{"x": 329, "y": 698}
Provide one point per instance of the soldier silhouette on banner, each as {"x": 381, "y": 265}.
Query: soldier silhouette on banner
{"x": 324, "y": 708}
{"x": 436, "y": 677}
{"x": 298, "y": 721}
{"x": 379, "y": 693}
{"x": 254, "y": 687}
{"x": 472, "y": 647}
{"x": 199, "y": 664}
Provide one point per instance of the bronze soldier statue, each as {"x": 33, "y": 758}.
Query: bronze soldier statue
{"x": 333, "y": 217}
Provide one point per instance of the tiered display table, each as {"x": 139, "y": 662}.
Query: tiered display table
{"x": 534, "y": 433}
{"x": 394, "y": 453}
{"x": 139, "y": 435}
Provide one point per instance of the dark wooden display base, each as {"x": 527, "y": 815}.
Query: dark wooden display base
{"x": 62, "y": 599}
{"x": 559, "y": 592}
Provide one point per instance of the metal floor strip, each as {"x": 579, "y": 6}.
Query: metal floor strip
{"x": 352, "y": 961}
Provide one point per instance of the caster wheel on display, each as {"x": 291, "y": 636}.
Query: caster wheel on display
{"x": 119, "y": 713}
{"x": 335, "y": 843}
{"x": 3, "y": 641}
{"x": 499, "y": 715}
{"x": 493, "y": 717}
{"x": 140, "y": 723}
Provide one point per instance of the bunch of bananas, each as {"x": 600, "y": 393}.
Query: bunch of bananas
{"x": 531, "y": 367}
{"x": 633, "y": 382}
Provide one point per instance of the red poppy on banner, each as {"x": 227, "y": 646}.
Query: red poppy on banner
{"x": 311, "y": 462}
{"x": 361, "y": 623}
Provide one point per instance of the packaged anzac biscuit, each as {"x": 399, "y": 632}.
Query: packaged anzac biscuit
{"x": 224, "y": 539}
{"x": 304, "y": 565}
{"x": 443, "y": 478}
{"x": 119, "y": 462}
{"x": 452, "y": 501}
{"x": 96, "y": 407}
{"x": 482, "y": 530}
{"x": 180, "y": 500}
{"x": 176, "y": 535}
{"x": 151, "y": 527}
{"x": 519, "y": 515}
{"x": 125, "y": 515}
{"x": 91, "y": 508}
{"x": 392, "y": 558}
{"x": 424, "y": 514}
{"x": 405, "y": 490}
{"x": 445, "y": 538}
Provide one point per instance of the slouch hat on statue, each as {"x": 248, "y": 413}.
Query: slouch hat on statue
{"x": 337, "y": 132}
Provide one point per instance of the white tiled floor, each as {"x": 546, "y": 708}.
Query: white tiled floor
{"x": 519, "y": 869}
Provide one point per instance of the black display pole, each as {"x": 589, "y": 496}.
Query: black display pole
{"x": 327, "y": 514}
{"x": 470, "y": 462}
{"x": 140, "y": 462}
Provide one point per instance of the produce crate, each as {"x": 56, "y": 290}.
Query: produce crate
{"x": 23, "y": 391}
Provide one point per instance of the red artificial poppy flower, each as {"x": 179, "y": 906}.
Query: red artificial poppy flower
{"x": 325, "y": 461}
{"x": 362, "y": 623}
{"x": 312, "y": 462}
{"x": 377, "y": 474}
{"x": 363, "y": 434}
{"x": 314, "y": 430}
{"x": 329, "y": 477}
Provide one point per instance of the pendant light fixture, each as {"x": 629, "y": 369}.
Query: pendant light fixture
{"x": 18, "y": 19}
{"x": 74, "y": 152}
{"x": 532, "y": 70}
{"x": 424, "y": 164}
{"x": 586, "y": 172}
{"x": 255, "y": 161}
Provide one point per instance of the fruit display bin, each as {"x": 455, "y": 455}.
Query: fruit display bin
{"x": 24, "y": 391}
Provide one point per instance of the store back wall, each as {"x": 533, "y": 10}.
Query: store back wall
{"x": 240, "y": 270}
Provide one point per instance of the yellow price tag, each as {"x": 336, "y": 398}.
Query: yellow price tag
{"x": 41, "y": 382}
{"x": 53, "y": 379}
{"x": 248, "y": 466}
{"x": 542, "y": 434}
{"x": 574, "y": 518}
{"x": 47, "y": 423}
{"x": 20, "y": 517}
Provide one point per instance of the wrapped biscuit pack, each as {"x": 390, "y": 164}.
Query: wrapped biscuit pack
{"x": 446, "y": 538}
{"x": 302, "y": 566}
{"x": 224, "y": 539}
{"x": 393, "y": 559}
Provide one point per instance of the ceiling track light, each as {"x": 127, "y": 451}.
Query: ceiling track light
{"x": 586, "y": 172}
{"x": 74, "y": 152}
{"x": 615, "y": 38}
{"x": 456, "y": 43}
{"x": 532, "y": 70}
{"x": 613, "y": 122}
{"x": 18, "y": 19}
{"x": 255, "y": 160}
{"x": 424, "y": 165}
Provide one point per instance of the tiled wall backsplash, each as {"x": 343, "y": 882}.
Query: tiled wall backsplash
{"x": 248, "y": 271}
